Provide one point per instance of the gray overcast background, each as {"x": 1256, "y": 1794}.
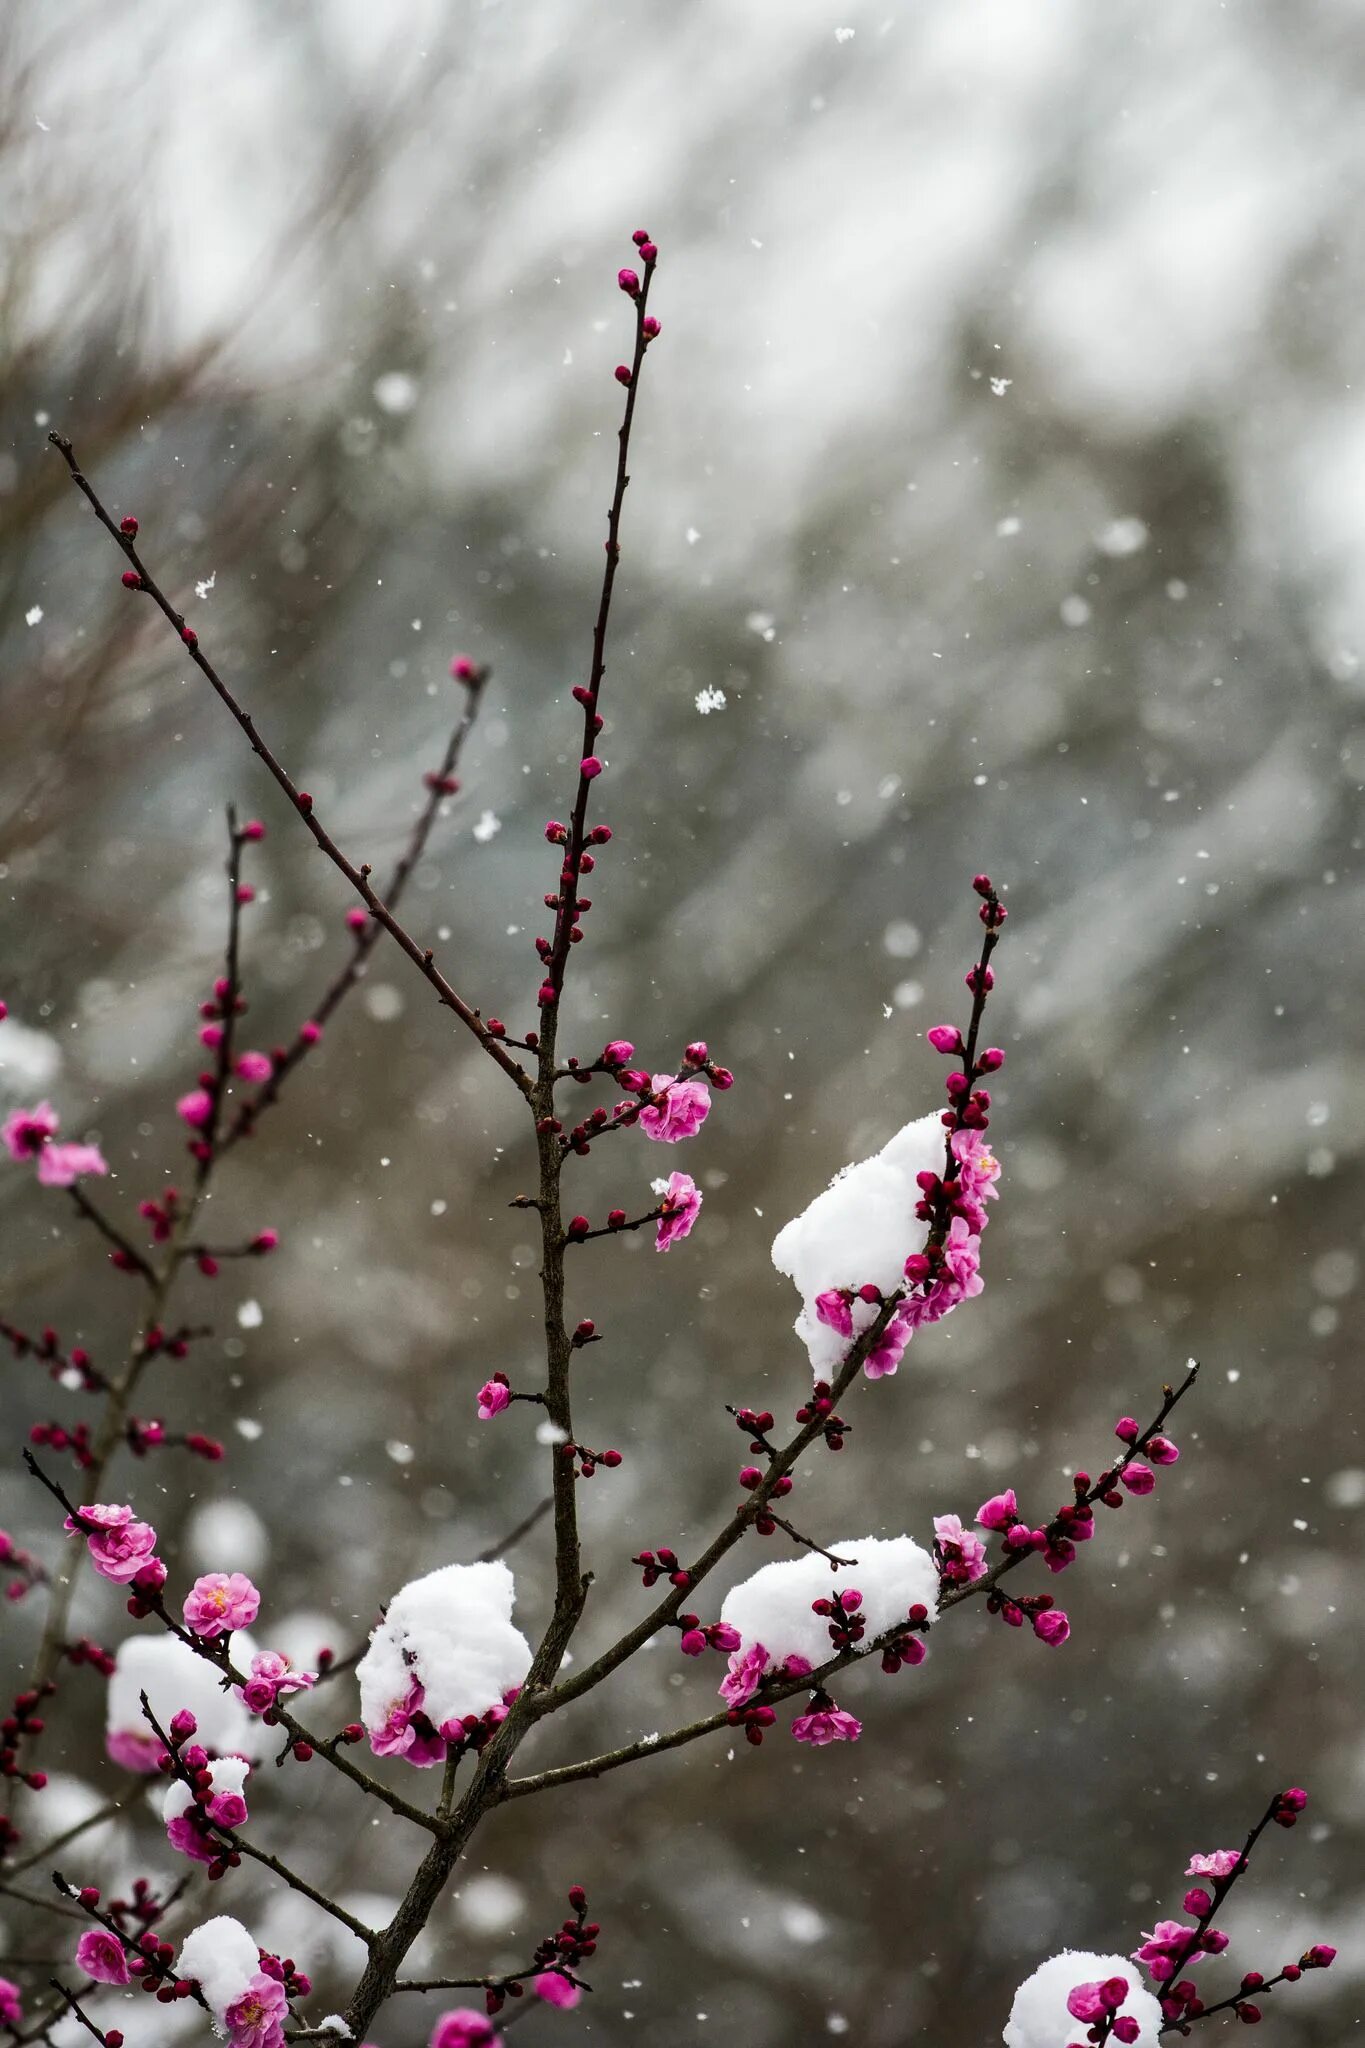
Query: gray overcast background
{"x": 1003, "y": 462}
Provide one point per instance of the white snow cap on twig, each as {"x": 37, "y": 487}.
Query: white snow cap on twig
{"x": 452, "y": 1631}
{"x": 774, "y": 1606}
{"x": 1039, "y": 2018}
{"x": 222, "y": 1957}
{"x": 861, "y": 1229}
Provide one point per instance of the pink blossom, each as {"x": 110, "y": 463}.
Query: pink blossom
{"x": 100, "y": 1954}
{"x": 186, "y": 1833}
{"x": 723, "y": 1636}
{"x": 494, "y": 1396}
{"x": 60, "y": 1165}
{"x": 227, "y": 1809}
{"x": 742, "y": 1679}
{"x": 682, "y": 1112}
{"x": 556, "y": 1990}
{"x": 886, "y": 1354}
{"x": 681, "y": 1205}
{"x": 826, "y": 1724}
{"x": 132, "y": 1751}
{"x": 256, "y": 2019}
{"x": 1137, "y": 1477}
{"x": 945, "y": 1038}
{"x": 1218, "y": 1863}
{"x": 964, "y": 1555}
{"x": 1095, "y": 2001}
{"x": 399, "y": 1735}
{"x": 1001, "y": 1511}
{"x": 195, "y": 1108}
{"x": 1162, "y": 1451}
{"x": 978, "y": 1170}
{"x": 255, "y": 1066}
{"x": 1051, "y": 1627}
{"x": 1168, "y": 1940}
{"x": 835, "y": 1310}
{"x": 272, "y": 1676}
{"x": 11, "y": 2003}
{"x": 462, "y": 2027}
{"x": 119, "y": 1546}
{"x": 962, "y": 1257}
{"x": 27, "y": 1131}
{"x": 219, "y": 1602}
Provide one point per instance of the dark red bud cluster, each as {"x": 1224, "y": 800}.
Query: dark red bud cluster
{"x": 846, "y": 1623}
{"x": 56, "y": 1436}
{"x": 661, "y": 1563}
{"x": 23, "y": 1723}
{"x": 821, "y": 1406}
{"x": 588, "y": 1461}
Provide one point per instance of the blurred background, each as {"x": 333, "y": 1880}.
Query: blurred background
{"x": 1002, "y": 466}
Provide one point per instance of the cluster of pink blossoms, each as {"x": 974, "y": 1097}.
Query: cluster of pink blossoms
{"x": 121, "y": 1548}
{"x": 410, "y": 1733}
{"x": 31, "y": 1134}
{"x": 272, "y": 1678}
{"x": 942, "y": 1281}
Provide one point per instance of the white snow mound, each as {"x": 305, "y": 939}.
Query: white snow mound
{"x": 452, "y": 1630}
{"x": 862, "y": 1228}
{"x": 1039, "y": 2018}
{"x": 223, "y": 1958}
{"x": 774, "y": 1606}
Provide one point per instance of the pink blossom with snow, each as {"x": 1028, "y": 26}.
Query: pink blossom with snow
{"x": 834, "y": 1308}
{"x": 256, "y": 2019}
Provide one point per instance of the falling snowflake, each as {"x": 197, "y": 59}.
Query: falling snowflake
{"x": 395, "y": 392}
{"x": 203, "y": 588}
{"x": 1000, "y": 385}
{"x": 762, "y": 623}
{"x": 844, "y": 35}
{"x": 33, "y": 615}
{"x": 710, "y": 700}
{"x": 488, "y": 824}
